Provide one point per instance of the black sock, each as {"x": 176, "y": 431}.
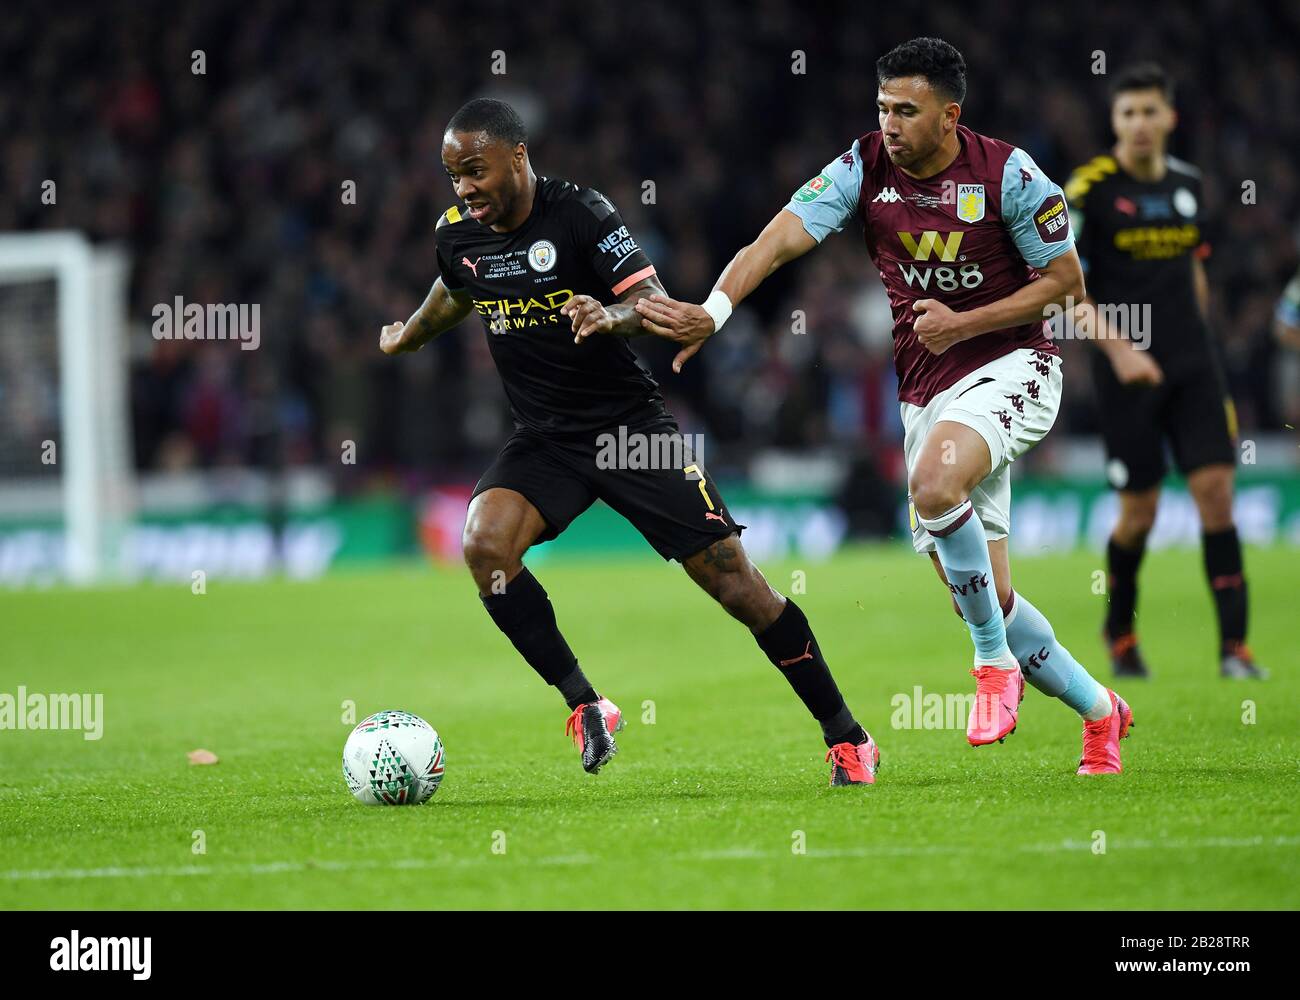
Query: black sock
{"x": 1122, "y": 569}
{"x": 577, "y": 690}
{"x": 1222, "y": 551}
{"x": 524, "y": 613}
{"x": 791, "y": 646}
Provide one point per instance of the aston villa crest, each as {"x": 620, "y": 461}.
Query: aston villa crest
{"x": 970, "y": 202}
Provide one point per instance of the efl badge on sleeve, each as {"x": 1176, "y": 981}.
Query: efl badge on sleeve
{"x": 813, "y": 190}
{"x": 970, "y": 202}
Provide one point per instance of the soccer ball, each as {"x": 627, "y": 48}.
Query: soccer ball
{"x": 393, "y": 758}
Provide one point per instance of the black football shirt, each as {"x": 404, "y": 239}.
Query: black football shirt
{"x": 572, "y": 243}
{"x": 1137, "y": 240}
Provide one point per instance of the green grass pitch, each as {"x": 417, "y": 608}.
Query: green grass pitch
{"x": 706, "y": 806}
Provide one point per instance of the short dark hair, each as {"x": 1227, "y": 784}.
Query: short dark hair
{"x": 942, "y": 65}
{"x": 497, "y": 118}
{"x": 1142, "y": 76}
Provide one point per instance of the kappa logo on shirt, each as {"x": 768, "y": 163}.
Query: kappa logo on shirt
{"x": 887, "y": 195}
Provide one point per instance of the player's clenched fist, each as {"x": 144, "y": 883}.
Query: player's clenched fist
{"x": 391, "y": 340}
{"x": 588, "y": 316}
{"x": 936, "y": 326}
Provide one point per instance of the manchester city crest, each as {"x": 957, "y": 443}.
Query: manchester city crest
{"x": 541, "y": 255}
{"x": 970, "y": 202}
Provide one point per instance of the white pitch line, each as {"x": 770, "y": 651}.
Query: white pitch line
{"x": 1064, "y": 846}
{"x": 728, "y": 854}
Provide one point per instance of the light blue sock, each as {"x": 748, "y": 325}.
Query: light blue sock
{"x": 1048, "y": 665}
{"x": 963, "y": 550}
{"x": 990, "y": 638}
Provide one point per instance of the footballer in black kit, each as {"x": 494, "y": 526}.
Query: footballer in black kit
{"x": 1140, "y": 226}
{"x": 1144, "y": 241}
{"x": 555, "y": 275}
{"x": 569, "y": 398}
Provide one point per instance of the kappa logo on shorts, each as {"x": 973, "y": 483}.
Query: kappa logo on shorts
{"x": 1031, "y": 389}
{"x": 1017, "y": 401}
{"x": 1003, "y": 416}
{"x": 1043, "y": 367}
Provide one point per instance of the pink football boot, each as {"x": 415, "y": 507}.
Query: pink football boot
{"x": 592, "y": 728}
{"x": 1101, "y": 739}
{"x": 998, "y": 694}
{"x": 854, "y": 764}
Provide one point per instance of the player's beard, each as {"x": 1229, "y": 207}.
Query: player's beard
{"x": 904, "y": 157}
{"x": 911, "y": 154}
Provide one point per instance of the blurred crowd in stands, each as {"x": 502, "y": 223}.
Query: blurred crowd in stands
{"x": 228, "y": 186}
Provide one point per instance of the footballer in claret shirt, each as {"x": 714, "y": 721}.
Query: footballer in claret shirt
{"x": 974, "y": 247}
{"x": 554, "y": 274}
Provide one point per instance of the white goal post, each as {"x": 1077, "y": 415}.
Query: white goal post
{"x": 91, "y": 452}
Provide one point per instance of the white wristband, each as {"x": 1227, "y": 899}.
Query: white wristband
{"x": 718, "y": 306}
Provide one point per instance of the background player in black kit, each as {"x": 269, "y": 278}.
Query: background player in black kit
{"x": 1139, "y": 223}
{"x": 555, "y": 275}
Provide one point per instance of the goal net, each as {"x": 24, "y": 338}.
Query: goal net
{"x": 66, "y": 480}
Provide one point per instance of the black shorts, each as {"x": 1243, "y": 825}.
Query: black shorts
{"x": 673, "y": 502}
{"x": 1191, "y": 411}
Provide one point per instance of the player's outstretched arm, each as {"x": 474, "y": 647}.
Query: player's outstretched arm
{"x": 1059, "y": 283}
{"x": 442, "y": 309}
{"x": 588, "y": 315}
{"x": 690, "y": 325}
